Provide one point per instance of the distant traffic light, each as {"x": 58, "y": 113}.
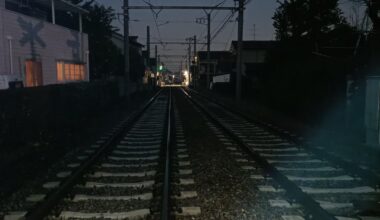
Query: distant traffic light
{"x": 161, "y": 68}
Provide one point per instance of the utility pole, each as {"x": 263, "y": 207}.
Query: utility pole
{"x": 156, "y": 58}
{"x": 151, "y": 7}
{"x": 126, "y": 50}
{"x": 151, "y": 79}
{"x": 194, "y": 76}
{"x": 239, "y": 61}
{"x": 159, "y": 61}
{"x": 148, "y": 46}
{"x": 208, "y": 49}
{"x": 156, "y": 68}
{"x": 195, "y": 46}
{"x": 189, "y": 56}
{"x": 254, "y": 31}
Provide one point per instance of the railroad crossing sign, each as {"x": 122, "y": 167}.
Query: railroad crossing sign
{"x": 30, "y": 34}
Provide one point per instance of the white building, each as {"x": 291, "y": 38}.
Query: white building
{"x": 35, "y": 50}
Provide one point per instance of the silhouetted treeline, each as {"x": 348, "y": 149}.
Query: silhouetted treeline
{"x": 316, "y": 54}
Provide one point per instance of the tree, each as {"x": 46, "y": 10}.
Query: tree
{"x": 104, "y": 55}
{"x": 306, "y": 19}
{"x": 307, "y": 70}
{"x": 105, "y": 58}
{"x": 287, "y": 19}
{"x": 373, "y": 8}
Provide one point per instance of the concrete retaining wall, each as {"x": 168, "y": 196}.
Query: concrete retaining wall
{"x": 39, "y": 114}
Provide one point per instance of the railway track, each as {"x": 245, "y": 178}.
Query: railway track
{"x": 320, "y": 184}
{"x": 143, "y": 169}
{"x": 127, "y": 174}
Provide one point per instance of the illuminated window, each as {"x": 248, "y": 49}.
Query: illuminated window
{"x": 67, "y": 71}
{"x": 33, "y": 73}
{"x": 60, "y": 72}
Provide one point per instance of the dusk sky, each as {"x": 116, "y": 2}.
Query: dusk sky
{"x": 182, "y": 24}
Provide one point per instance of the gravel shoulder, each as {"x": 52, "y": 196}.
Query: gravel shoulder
{"x": 359, "y": 153}
{"x": 225, "y": 190}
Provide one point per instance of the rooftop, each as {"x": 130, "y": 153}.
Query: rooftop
{"x": 61, "y": 5}
{"x": 255, "y": 44}
{"x": 132, "y": 39}
{"x": 220, "y": 55}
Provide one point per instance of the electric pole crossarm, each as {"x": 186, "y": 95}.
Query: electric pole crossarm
{"x": 184, "y": 7}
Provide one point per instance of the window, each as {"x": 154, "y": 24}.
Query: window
{"x": 67, "y": 71}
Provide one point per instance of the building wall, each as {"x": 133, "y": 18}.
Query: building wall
{"x": 36, "y": 39}
{"x": 254, "y": 56}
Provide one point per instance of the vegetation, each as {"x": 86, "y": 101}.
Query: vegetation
{"x": 106, "y": 60}
{"x": 373, "y": 7}
{"x": 308, "y": 69}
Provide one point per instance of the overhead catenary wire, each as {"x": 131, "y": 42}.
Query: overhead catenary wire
{"x": 230, "y": 36}
{"x": 220, "y": 27}
{"x": 203, "y": 33}
{"x": 215, "y": 32}
{"x": 155, "y": 15}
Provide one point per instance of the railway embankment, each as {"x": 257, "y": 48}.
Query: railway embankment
{"x": 39, "y": 125}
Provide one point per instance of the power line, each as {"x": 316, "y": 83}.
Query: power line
{"x": 223, "y": 26}
{"x": 220, "y": 27}
{"x": 203, "y": 34}
{"x": 155, "y": 15}
{"x": 230, "y": 37}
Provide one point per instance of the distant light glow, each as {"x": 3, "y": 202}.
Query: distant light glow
{"x": 186, "y": 73}
{"x": 186, "y": 77}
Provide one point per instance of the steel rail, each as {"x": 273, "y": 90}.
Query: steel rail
{"x": 367, "y": 176}
{"x": 313, "y": 208}
{"x": 44, "y": 208}
{"x": 165, "y": 202}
